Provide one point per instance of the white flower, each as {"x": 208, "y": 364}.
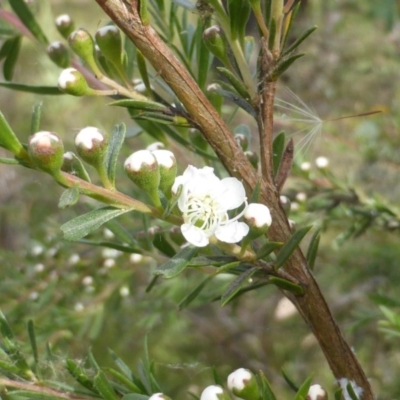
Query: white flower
{"x": 237, "y": 379}
{"x": 316, "y": 393}
{"x": 322, "y": 162}
{"x": 87, "y": 136}
{"x": 63, "y": 19}
{"x": 212, "y": 392}
{"x": 164, "y": 158}
{"x": 305, "y": 166}
{"x": 205, "y": 201}
{"x": 140, "y": 159}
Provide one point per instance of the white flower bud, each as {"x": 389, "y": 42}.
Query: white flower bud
{"x": 212, "y": 392}
{"x": 316, "y": 393}
{"x": 243, "y": 384}
{"x": 305, "y": 166}
{"x": 159, "y": 396}
{"x": 91, "y": 145}
{"x": 258, "y": 215}
{"x": 71, "y": 81}
{"x": 301, "y": 197}
{"x": 155, "y": 146}
{"x": 322, "y": 162}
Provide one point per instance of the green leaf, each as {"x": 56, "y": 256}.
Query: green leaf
{"x": 299, "y": 40}
{"x": 178, "y": 263}
{"x": 338, "y": 394}
{"x": 8, "y": 139}
{"x": 81, "y": 226}
{"x": 162, "y": 244}
{"x": 25, "y": 15}
{"x": 11, "y": 58}
{"x": 6, "y": 48}
{"x": 13, "y": 351}
{"x": 139, "y": 105}
{"x": 284, "y": 65}
{"x": 312, "y": 250}
{"x": 114, "y": 147}
{"x": 121, "y": 233}
{"x": 74, "y": 166}
{"x": 195, "y": 292}
{"x": 297, "y": 290}
{"x": 277, "y": 151}
{"x": 40, "y": 394}
{"x": 239, "y": 13}
{"x": 32, "y": 339}
{"x": 203, "y": 57}
{"x": 104, "y": 387}
{"x": 266, "y": 391}
{"x": 351, "y": 391}
{"x": 303, "y": 390}
{"x": 290, "y": 381}
{"x": 256, "y": 193}
{"x": 35, "y": 121}
{"x": 46, "y": 90}
{"x": 235, "y": 82}
{"x": 80, "y": 375}
{"x": 10, "y": 161}
{"x": 231, "y": 95}
{"x": 203, "y": 261}
{"x": 267, "y": 249}
{"x": 290, "y": 246}
{"x": 141, "y": 63}
{"x": 237, "y": 284}
{"x": 69, "y": 197}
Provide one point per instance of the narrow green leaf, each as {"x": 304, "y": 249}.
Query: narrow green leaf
{"x": 235, "y": 82}
{"x": 40, "y": 394}
{"x": 203, "y": 261}
{"x": 187, "y": 300}
{"x": 203, "y": 56}
{"x": 284, "y": 65}
{"x": 35, "y": 121}
{"x": 231, "y": 95}
{"x": 239, "y": 13}
{"x": 267, "y": 249}
{"x": 290, "y": 381}
{"x": 74, "y": 166}
{"x": 69, "y": 197}
{"x": 256, "y": 193}
{"x": 104, "y": 387}
{"x": 11, "y": 58}
{"x": 80, "y": 375}
{"x": 8, "y": 139}
{"x": 114, "y": 147}
{"x": 21, "y": 8}
{"x": 299, "y": 40}
{"x": 237, "y": 284}
{"x": 312, "y": 250}
{"x": 272, "y": 33}
{"x": 290, "y": 246}
{"x": 161, "y": 243}
{"x": 277, "y": 151}
{"x": 139, "y": 105}
{"x": 297, "y": 290}
{"x": 303, "y": 390}
{"x": 47, "y": 90}
{"x": 338, "y": 394}
{"x": 126, "y": 371}
{"x": 135, "y": 396}
{"x": 351, "y": 392}
{"x": 121, "y": 233}
{"x": 81, "y": 226}
{"x": 9, "y": 367}
{"x": 6, "y": 48}
{"x": 178, "y": 263}
{"x": 32, "y": 339}
{"x": 144, "y": 376}
{"x": 10, "y": 161}
{"x": 141, "y": 63}
{"x": 13, "y": 350}
{"x": 285, "y": 165}
{"x": 267, "y": 393}
{"x": 217, "y": 378}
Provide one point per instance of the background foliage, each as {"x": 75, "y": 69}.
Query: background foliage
{"x": 82, "y": 297}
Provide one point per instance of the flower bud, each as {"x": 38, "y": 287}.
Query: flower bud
{"x": 159, "y": 396}
{"x": 168, "y": 169}
{"x": 82, "y": 43}
{"x": 243, "y": 384}
{"x": 58, "y": 53}
{"x": 305, "y": 166}
{"x": 64, "y": 25}
{"x": 316, "y": 393}
{"x": 109, "y": 41}
{"x": 71, "y": 81}
{"x": 142, "y": 169}
{"x": 91, "y": 146}
{"x": 285, "y": 202}
{"x": 213, "y": 392}
{"x": 258, "y": 218}
{"x": 252, "y": 157}
{"x": 242, "y": 141}
{"x": 215, "y": 43}
{"x": 46, "y": 151}
{"x": 322, "y": 162}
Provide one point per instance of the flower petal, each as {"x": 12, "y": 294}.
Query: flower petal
{"x": 232, "y": 233}
{"x": 194, "y": 235}
{"x": 231, "y": 193}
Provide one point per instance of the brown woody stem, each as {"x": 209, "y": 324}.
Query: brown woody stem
{"x": 312, "y": 306}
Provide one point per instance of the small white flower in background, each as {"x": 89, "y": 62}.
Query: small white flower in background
{"x": 212, "y": 392}
{"x": 135, "y": 258}
{"x": 79, "y": 307}
{"x": 74, "y": 259}
{"x": 38, "y": 268}
{"x": 108, "y": 234}
{"x": 33, "y": 295}
{"x": 243, "y": 383}
{"x": 37, "y": 250}
{"x": 316, "y": 393}
{"x": 124, "y": 291}
{"x": 109, "y": 263}
{"x": 305, "y": 166}
{"x": 110, "y": 253}
{"x": 87, "y": 280}
{"x": 63, "y": 19}
{"x": 205, "y": 201}
{"x": 155, "y": 146}
{"x": 322, "y": 162}
{"x": 301, "y": 197}
{"x": 294, "y": 206}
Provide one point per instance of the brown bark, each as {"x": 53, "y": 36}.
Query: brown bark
{"x": 312, "y": 306}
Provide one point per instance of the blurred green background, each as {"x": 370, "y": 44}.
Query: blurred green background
{"x": 82, "y": 297}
